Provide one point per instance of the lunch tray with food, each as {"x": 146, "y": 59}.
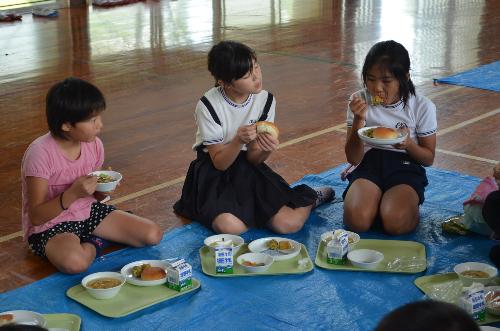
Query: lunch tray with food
{"x": 130, "y": 299}
{"x": 70, "y": 322}
{"x": 298, "y": 264}
{"x": 447, "y": 287}
{"x": 399, "y": 256}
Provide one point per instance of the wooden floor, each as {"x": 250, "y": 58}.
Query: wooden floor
{"x": 149, "y": 59}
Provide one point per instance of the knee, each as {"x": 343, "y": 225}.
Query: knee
{"x": 283, "y": 226}
{"x": 398, "y": 223}
{"x": 358, "y": 220}
{"x": 73, "y": 263}
{"x": 228, "y": 223}
{"x": 154, "y": 235}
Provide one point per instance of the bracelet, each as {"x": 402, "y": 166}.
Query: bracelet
{"x": 61, "y": 202}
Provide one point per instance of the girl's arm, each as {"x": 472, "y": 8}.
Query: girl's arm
{"x": 41, "y": 211}
{"x": 354, "y": 148}
{"x": 423, "y": 152}
{"x": 224, "y": 155}
{"x": 260, "y": 149}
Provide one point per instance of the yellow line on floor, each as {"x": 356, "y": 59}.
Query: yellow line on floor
{"x": 337, "y": 128}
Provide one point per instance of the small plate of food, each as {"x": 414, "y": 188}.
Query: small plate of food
{"x": 107, "y": 180}
{"x": 379, "y": 135}
{"x": 255, "y": 262}
{"x": 279, "y": 248}
{"x": 145, "y": 272}
{"x": 475, "y": 272}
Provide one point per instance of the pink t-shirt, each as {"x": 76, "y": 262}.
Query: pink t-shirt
{"x": 45, "y": 159}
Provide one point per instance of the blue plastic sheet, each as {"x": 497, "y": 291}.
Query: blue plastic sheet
{"x": 321, "y": 299}
{"x": 486, "y": 77}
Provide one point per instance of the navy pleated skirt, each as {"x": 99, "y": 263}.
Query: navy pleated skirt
{"x": 252, "y": 193}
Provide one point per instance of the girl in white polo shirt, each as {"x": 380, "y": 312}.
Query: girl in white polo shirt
{"x": 388, "y": 182}
{"x": 228, "y": 187}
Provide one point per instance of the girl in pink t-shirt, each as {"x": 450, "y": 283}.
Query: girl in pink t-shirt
{"x": 62, "y": 219}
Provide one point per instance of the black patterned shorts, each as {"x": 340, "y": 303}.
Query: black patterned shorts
{"x": 83, "y": 229}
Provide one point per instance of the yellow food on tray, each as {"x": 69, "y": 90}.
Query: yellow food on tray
{"x": 138, "y": 269}
{"x": 272, "y": 244}
{"x": 103, "y": 283}
{"x": 285, "y": 244}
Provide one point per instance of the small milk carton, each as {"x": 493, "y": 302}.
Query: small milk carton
{"x": 179, "y": 274}
{"x": 472, "y": 300}
{"x": 224, "y": 259}
{"x": 337, "y": 248}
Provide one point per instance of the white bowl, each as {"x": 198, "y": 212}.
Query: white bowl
{"x": 353, "y": 238}
{"x": 267, "y": 260}
{"x": 237, "y": 241}
{"x": 365, "y": 258}
{"x": 25, "y": 317}
{"x": 107, "y": 187}
{"x": 468, "y": 266}
{"x": 106, "y": 293}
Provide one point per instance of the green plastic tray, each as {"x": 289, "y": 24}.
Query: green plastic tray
{"x": 290, "y": 266}
{"x": 390, "y": 248}
{"x": 427, "y": 283}
{"x": 70, "y": 322}
{"x": 130, "y": 299}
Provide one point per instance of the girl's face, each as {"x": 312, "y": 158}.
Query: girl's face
{"x": 85, "y": 131}
{"x": 382, "y": 83}
{"x": 251, "y": 83}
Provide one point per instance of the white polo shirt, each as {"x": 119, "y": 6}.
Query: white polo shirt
{"x": 231, "y": 115}
{"x": 419, "y": 116}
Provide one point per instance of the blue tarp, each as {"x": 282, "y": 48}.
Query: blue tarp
{"x": 320, "y": 299}
{"x": 486, "y": 77}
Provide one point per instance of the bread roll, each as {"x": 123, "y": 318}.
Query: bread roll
{"x": 268, "y": 127}
{"x": 153, "y": 273}
{"x": 384, "y": 133}
{"x": 6, "y": 319}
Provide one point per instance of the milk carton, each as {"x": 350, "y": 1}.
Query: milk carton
{"x": 224, "y": 259}
{"x": 472, "y": 300}
{"x": 179, "y": 274}
{"x": 337, "y": 248}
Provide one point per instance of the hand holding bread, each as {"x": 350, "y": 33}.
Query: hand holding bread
{"x": 267, "y": 127}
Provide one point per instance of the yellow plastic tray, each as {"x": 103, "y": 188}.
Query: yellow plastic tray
{"x": 391, "y": 249}
{"x": 130, "y": 299}
{"x": 290, "y": 266}
{"x": 426, "y": 284}
{"x": 70, "y": 322}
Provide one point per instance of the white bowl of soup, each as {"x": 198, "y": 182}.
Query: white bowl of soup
{"x": 224, "y": 240}
{"x": 475, "y": 272}
{"x": 107, "y": 180}
{"x": 103, "y": 285}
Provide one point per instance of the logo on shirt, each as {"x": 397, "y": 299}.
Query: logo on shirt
{"x": 253, "y": 121}
{"x": 401, "y": 125}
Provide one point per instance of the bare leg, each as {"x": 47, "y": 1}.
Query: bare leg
{"x": 399, "y": 209}
{"x": 129, "y": 229}
{"x": 361, "y": 205}
{"x": 68, "y": 255}
{"x": 228, "y": 223}
{"x": 289, "y": 220}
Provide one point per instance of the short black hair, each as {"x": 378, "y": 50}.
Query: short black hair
{"x": 392, "y": 56}
{"x": 428, "y": 315}
{"x": 71, "y": 101}
{"x": 230, "y": 60}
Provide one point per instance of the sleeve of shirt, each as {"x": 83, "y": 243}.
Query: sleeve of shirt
{"x": 426, "y": 118}
{"x": 36, "y": 162}
{"x": 99, "y": 153}
{"x": 211, "y": 132}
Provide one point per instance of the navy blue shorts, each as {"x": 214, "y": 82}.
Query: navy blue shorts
{"x": 387, "y": 169}
{"x": 83, "y": 229}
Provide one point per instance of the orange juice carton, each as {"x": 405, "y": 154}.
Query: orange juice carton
{"x": 337, "y": 248}
{"x": 224, "y": 257}
{"x": 179, "y": 275}
{"x": 473, "y": 301}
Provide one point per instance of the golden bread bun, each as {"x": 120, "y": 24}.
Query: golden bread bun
{"x": 384, "y": 133}
{"x": 268, "y": 127}
{"x": 153, "y": 273}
